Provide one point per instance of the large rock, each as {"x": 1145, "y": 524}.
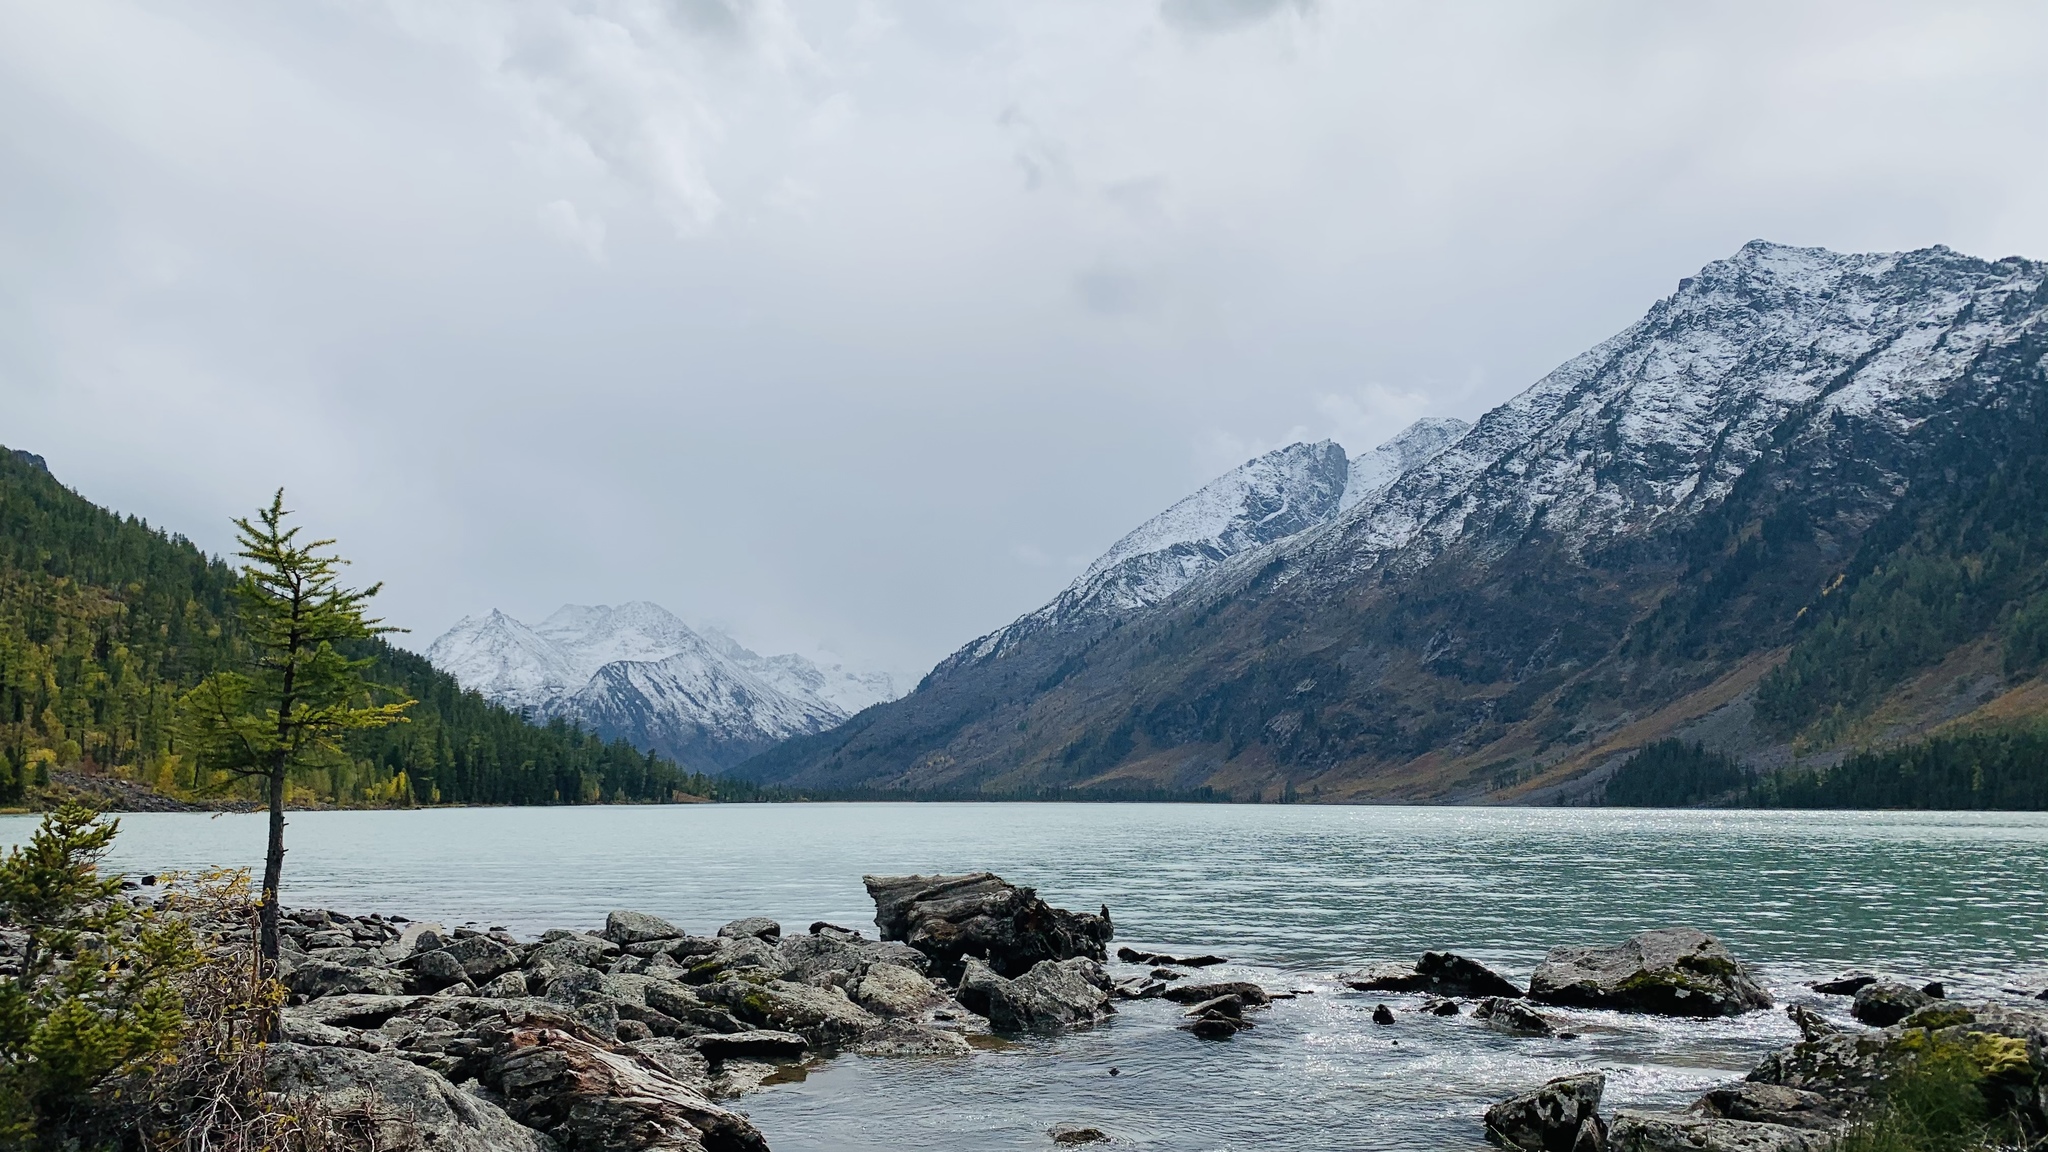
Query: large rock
{"x": 623, "y": 927}
{"x": 1561, "y": 1116}
{"x": 1883, "y": 1003}
{"x": 1668, "y": 972}
{"x": 950, "y": 918}
{"x": 1053, "y": 994}
{"x": 594, "y": 1099}
{"x": 1772, "y": 1104}
{"x": 837, "y": 958}
{"x": 1513, "y": 1017}
{"x": 824, "y": 1016}
{"x": 381, "y": 1102}
{"x": 893, "y": 990}
{"x": 759, "y": 927}
{"x": 2006, "y": 1044}
{"x": 481, "y": 957}
{"x": 1649, "y": 1132}
{"x": 317, "y": 978}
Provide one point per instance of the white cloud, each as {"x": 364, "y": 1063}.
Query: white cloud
{"x": 561, "y": 220}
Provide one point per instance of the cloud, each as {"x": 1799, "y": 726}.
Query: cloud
{"x": 802, "y": 314}
{"x": 561, "y": 220}
{"x": 1223, "y": 15}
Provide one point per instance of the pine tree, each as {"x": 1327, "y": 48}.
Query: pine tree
{"x": 301, "y": 695}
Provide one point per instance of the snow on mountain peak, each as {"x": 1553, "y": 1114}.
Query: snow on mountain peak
{"x": 1261, "y": 500}
{"x": 637, "y": 671}
{"x": 1418, "y": 443}
{"x": 1663, "y": 418}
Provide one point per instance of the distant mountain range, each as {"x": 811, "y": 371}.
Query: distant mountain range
{"x": 1696, "y": 529}
{"x": 637, "y": 672}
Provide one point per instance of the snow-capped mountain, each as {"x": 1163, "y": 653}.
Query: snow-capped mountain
{"x": 1258, "y": 504}
{"x": 1662, "y": 420}
{"x": 637, "y": 672}
{"x": 1372, "y": 472}
{"x": 1655, "y": 518}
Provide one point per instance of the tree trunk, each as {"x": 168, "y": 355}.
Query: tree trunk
{"x": 273, "y": 869}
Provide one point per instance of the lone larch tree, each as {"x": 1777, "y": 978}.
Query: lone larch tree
{"x": 300, "y": 695}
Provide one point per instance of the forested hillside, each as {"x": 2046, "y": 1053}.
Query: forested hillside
{"x": 105, "y": 621}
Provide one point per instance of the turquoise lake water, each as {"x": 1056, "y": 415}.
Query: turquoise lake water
{"x": 1292, "y": 894}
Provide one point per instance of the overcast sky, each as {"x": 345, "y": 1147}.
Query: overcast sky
{"x": 862, "y": 327}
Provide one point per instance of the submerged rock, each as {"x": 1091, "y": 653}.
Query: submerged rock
{"x": 1437, "y": 973}
{"x": 1513, "y": 1017}
{"x": 1847, "y": 984}
{"x": 1133, "y": 956}
{"x": 949, "y": 918}
{"x": 1252, "y": 994}
{"x": 1076, "y": 1134}
{"x": 1561, "y": 1116}
{"x": 1667, "y": 972}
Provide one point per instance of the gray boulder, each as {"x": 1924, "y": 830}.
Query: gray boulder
{"x": 1886, "y": 1002}
{"x": 481, "y": 957}
{"x": 758, "y": 927}
{"x": 1053, "y": 994}
{"x": 317, "y": 978}
{"x": 824, "y": 1016}
{"x": 1772, "y": 1104}
{"x": 893, "y": 990}
{"x": 572, "y": 949}
{"x": 901, "y": 1038}
{"x": 372, "y": 1101}
{"x": 1647, "y": 1132}
{"x": 1665, "y": 972}
{"x": 623, "y": 927}
{"x": 433, "y": 971}
{"x": 1513, "y": 1017}
{"x": 1561, "y": 1116}
{"x": 950, "y": 918}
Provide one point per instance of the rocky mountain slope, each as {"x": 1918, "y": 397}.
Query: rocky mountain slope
{"x": 1654, "y": 539}
{"x": 637, "y": 672}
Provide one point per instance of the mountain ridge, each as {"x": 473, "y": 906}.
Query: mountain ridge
{"x": 1414, "y": 644}
{"x": 639, "y": 673}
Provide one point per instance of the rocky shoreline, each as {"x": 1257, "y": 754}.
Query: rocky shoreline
{"x": 639, "y": 1034}
{"x": 631, "y": 1036}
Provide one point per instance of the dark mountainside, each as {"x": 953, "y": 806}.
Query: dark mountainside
{"x": 1799, "y": 510}
{"x": 105, "y": 621}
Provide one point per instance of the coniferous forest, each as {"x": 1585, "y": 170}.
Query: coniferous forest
{"x": 105, "y": 621}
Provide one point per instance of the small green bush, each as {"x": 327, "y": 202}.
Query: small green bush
{"x": 94, "y": 1005}
{"x": 1936, "y": 1104}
